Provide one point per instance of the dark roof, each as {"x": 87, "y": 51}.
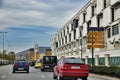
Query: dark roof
{"x": 41, "y": 50}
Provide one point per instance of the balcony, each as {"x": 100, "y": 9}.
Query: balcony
{"x": 115, "y": 2}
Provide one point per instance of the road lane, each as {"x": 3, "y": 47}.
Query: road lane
{"x": 36, "y": 74}
{"x": 5, "y": 70}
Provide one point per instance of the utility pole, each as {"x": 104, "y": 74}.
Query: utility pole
{"x": 9, "y": 46}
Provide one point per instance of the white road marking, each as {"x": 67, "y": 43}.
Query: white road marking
{"x": 43, "y": 76}
{"x": 3, "y": 76}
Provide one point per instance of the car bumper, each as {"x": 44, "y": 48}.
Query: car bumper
{"x": 74, "y": 74}
{"x": 20, "y": 69}
{"x": 37, "y": 66}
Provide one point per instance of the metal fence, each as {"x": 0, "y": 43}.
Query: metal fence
{"x": 113, "y": 61}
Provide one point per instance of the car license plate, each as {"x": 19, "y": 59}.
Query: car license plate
{"x": 20, "y": 69}
{"x": 47, "y": 66}
{"x": 75, "y": 67}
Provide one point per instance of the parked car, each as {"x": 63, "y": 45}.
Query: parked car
{"x": 70, "y": 67}
{"x": 38, "y": 64}
{"x": 21, "y": 65}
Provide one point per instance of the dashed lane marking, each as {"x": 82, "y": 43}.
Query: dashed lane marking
{"x": 3, "y": 76}
{"x": 43, "y": 76}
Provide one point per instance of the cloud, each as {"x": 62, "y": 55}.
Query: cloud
{"x": 53, "y": 13}
{"x": 27, "y": 21}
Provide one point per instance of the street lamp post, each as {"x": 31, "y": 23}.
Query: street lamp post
{"x": 3, "y": 40}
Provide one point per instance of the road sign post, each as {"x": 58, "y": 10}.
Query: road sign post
{"x": 95, "y": 39}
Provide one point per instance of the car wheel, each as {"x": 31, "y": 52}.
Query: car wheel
{"x": 13, "y": 71}
{"x": 54, "y": 76}
{"x": 42, "y": 70}
{"x": 27, "y": 71}
{"x": 59, "y": 77}
{"x": 84, "y": 78}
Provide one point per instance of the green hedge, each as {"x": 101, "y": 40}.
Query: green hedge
{"x": 111, "y": 71}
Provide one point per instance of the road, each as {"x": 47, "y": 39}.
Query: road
{"x": 36, "y": 74}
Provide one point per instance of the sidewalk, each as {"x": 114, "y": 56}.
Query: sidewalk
{"x": 103, "y": 77}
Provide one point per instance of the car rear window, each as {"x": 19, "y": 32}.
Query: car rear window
{"x": 73, "y": 61}
{"x": 20, "y": 61}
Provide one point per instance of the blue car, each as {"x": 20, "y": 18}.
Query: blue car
{"x": 21, "y": 65}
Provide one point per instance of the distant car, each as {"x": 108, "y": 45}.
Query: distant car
{"x": 38, "y": 64}
{"x": 21, "y": 65}
{"x": 48, "y": 62}
{"x": 32, "y": 63}
{"x": 70, "y": 67}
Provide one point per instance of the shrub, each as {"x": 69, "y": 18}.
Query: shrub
{"x": 111, "y": 71}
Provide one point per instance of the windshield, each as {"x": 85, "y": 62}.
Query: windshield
{"x": 50, "y": 59}
{"x": 73, "y": 60}
{"x": 20, "y": 61}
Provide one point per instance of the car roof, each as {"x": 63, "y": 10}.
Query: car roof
{"x": 70, "y": 57}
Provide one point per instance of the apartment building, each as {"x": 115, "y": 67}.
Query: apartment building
{"x": 71, "y": 40}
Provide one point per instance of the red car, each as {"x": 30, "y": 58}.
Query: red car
{"x": 70, "y": 67}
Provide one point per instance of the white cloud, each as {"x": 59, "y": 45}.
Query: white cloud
{"x": 37, "y": 12}
{"x": 26, "y": 14}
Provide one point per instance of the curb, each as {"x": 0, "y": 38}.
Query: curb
{"x": 104, "y": 76}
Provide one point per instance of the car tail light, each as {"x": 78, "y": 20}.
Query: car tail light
{"x": 65, "y": 66}
{"x": 16, "y": 64}
{"x": 26, "y": 64}
{"x": 84, "y": 66}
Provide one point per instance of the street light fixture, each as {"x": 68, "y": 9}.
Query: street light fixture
{"x": 3, "y": 40}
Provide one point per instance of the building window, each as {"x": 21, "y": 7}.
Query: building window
{"x": 65, "y": 39}
{"x": 64, "y": 32}
{"x": 105, "y": 3}
{"x": 99, "y": 19}
{"x": 115, "y": 29}
{"x": 84, "y": 17}
{"x": 74, "y": 34}
{"x": 109, "y": 33}
{"x": 70, "y": 37}
{"x": 112, "y": 13}
{"x": 74, "y": 25}
{"x": 93, "y": 10}
{"x": 56, "y": 44}
{"x": 62, "y": 41}
{"x": 117, "y": 12}
{"x": 88, "y": 24}
{"x": 71, "y": 26}
{"x": 67, "y": 29}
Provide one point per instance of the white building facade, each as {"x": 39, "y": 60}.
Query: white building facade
{"x": 71, "y": 40}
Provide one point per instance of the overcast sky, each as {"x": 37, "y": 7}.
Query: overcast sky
{"x": 34, "y": 21}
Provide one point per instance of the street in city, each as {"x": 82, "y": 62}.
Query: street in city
{"x": 36, "y": 74}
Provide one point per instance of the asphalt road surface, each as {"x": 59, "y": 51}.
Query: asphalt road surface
{"x": 36, "y": 74}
